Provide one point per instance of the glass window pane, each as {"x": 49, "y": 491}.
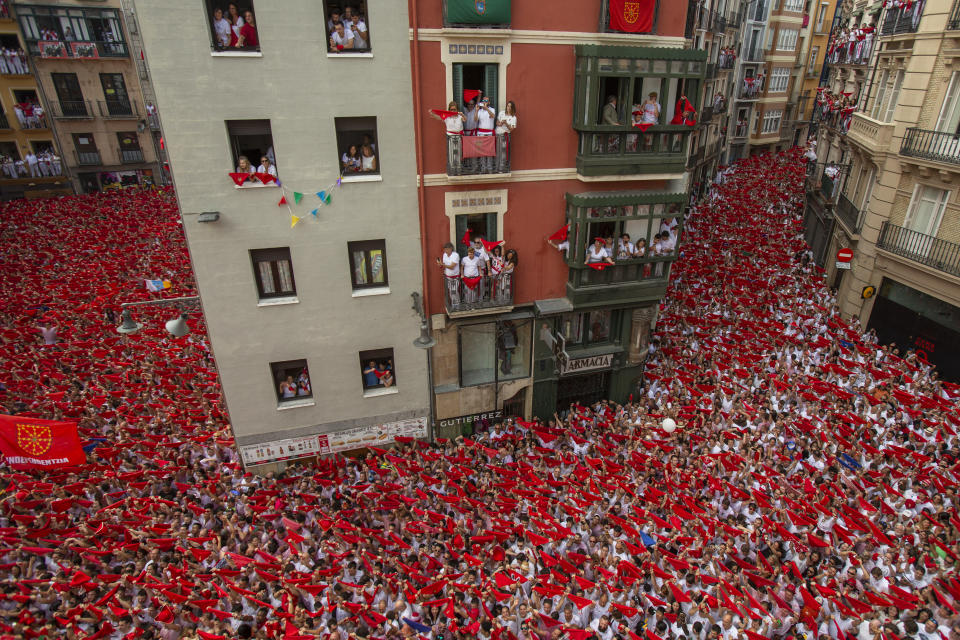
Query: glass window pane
{"x": 573, "y": 327}
{"x": 477, "y": 353}
{"x": 376, "y": 266}
{"x": 513, "y": 350}
{"x": 286, "y": 275}
{"x": 266, "y": 277}
{"x": 359, "y": 268}
{"x": 599, "y": 328}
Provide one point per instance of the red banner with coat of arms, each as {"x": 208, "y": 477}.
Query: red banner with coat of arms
{"x": 632, "y": 16}
{"x": 29, "y": 443}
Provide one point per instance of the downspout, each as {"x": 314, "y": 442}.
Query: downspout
{"x": 421, "y": 205}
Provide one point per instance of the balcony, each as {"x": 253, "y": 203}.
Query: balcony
{"x": 719, "y": 25}
{"x": 84, "y": 50}
{"x": 954, "y": 23}
{"x": 741, "y": 131}
{"x": 478, "y": 155}
{"x": 711, "y": 71}
{"x": 870, "y": 134}
{"x": 755, "y": 55}
{"x": 119, "y": 109}
{"x": 919, "y": 247}
{"x": 72, "y": 109}
{"x": 727, "y": 62}
{"x": 36, "y": 120}
{"x": 705, "y": 116}
{"x": 661, "y": 149}
{"x": 902, "y": 20}
{"x": 937, "y": 146}
{"x": 695, "y": 158}
{"x": 491, "y": 14}
{"x": 468, "y": 297}
{"x": 750, "y": 90}
{"x": 130, "y": 156}
{"x": 637, "y": 280}
{"x": 87, "y": 158}
{"x": 848, "y": 214}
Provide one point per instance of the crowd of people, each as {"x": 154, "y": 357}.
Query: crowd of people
{"x": 347, "y": 31}
{"x": 851, "y": 45}
{"x": 14, "y": 61}
{"x": 235, "y": 28}
{"x": 483, "y": 274}
{"x": 30, "y": 114}
{"x": 727, "y": 58}
{"x": 478, "y": 119}
{"x": 43, "y": 164}
{"x": 834, "y": 110}
{"x": 780, "y": 475}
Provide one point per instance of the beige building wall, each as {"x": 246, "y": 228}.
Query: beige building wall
{"x": 295, "y": 84}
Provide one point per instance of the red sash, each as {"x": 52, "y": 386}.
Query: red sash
{"x": 471, "y": 282}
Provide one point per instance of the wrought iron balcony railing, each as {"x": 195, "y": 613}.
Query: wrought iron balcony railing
{"x": 848, "y": 213}
{"x": 954, "y": 22}
{"x": 940, "y": 146}
{"x": 920, "y": 247}
{"x": 477, "y": 155}
{"x": 480, "y": 293}
{"x": 67, "y": 109}
{"x": 130, "y": 156}
{"x": 87, "y": 158}
{"x": 902, "y": 20}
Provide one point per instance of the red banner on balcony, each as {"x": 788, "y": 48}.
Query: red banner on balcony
{"x": 479, "y": 146}
{"x": 471, "y": 282}
{"x": 632, "y": 16}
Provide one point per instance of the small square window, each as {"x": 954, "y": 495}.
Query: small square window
{"x": 376, "y": 369}
{"x": 251, "y": 145}
{"x": 347, "y": 28}
{"x": 368, "y": 264}
{"x": 291, "y": 381}
{"x": 357, "y": 145}
{"x": 233, "y": 26}
{"x": 273, "y": 273}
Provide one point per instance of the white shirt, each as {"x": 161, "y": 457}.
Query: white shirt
{"x": 358, "y": 27}
{"x": 451, "y": 264}
{"x": 454, "y": 124}
{"x": 272, "y": 170}
{"x": 471, "y": 266}
{"x": 597, "y": 256}
{"x": 484, "y": 121}
{"x": 505, "y": 123}
{"x": 222, "y": 28}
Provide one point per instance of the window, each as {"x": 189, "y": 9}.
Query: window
{"x": 273, "y": 273}
{"x": 9, "y": 150}
{"x": 377, "y": 371}
{"x": 787, "y": 39}
{"x": 494, "y": 351}
{"x": 251, "y": 144}
{"x": 472, "y": 226}
{"x": 881, "y": 95}
{"x": 26, "y": 106}
{"x": 86, "y": 149}
{"x": 926, "y": 209}
{"x": 130, "y": 151}
{"x": 348, "y": 28}
{"x": 793, "y": 5}
{"x": 359, "y": 153}
{"x": 233, "y": 26}
{"x": 476, "y": 77}
{"x": 892, "y": 97}
{"x": 779, "y": 77}
{"x": 72, "y": 32}
{"x": 69, "y": 95}
{"x": 15, "y": 62}
{"x": 588, "y": 327}
{"x": 812, "y": 69}
{"x": 115, "y": 95}
{"x": 368, "y": 264}
{"x": 291, "y": 381}
{"x": 821, "y": 16}
{"x": 771, "y": 121}
{"x": 949, "y": 119}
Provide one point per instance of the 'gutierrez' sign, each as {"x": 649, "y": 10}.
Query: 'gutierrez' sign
{"x": 588, "y": 364}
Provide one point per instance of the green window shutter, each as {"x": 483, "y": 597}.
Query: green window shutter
{"x": 490, "y": 85}
{"x": 461, "y": 228}
{"x": 478, "y": 11}
{"x": 458, "y": 84}
{"x": 491, "y": 220}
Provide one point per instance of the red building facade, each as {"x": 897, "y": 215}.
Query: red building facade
{"x": 556, "y": 329}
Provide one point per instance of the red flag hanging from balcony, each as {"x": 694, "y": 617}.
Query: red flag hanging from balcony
{"x": 479, "y": 146}
{"x": 599, "y": 266}
{"x": 643, "y": 126}
{"x": 632, "y": 16}
{"x": 471, "y": 282}
{"x": 29, "y": 443}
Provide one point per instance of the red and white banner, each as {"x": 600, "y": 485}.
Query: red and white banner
{"x": 632, "y": 16}
{"x": 29, "y": 443}
{"x": 479, "y": 146}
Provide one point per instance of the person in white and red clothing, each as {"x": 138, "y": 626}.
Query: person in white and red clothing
{"x": 449, "y": 263}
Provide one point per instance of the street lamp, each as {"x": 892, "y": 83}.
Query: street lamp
{"x": 177, "y": 327}
{"x": 425, "y": 341}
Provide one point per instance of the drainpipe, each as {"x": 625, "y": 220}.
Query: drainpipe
{"x": 421, "y": 205}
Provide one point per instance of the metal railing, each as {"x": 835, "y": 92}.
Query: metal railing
{"x": 34, "y": 120}
{"x": 4, "y": 123}
{"x": 940, "y": 146}
{"x": 634, "y": 143}
{"x": 719, "y": 24}
{"x": 902, "y": 20}
{"x": 624, "y": 272}
{"x": 755, "y": 55}
{"x": 741, "y": 131}
{"x": 920, "y": 247}
{"x": 72, "y": 109}
{"x": 828, "y": 187}
{"x": 478, "y": 155}
{"x": 727, "y": 62}
{"x": 848, "y": 213}
{"x": 130, "y": 156}
{"x": 483, "y": 292}
{"x": 87, "y": 158}
{"x": 90, "y": 49}
{"x": 119, "y": 108}
{"x": 954, "y": 22}
{"x": 750, "y": 91}
{"x": 711, "y": 71}
{"x": 154, "y": 121}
